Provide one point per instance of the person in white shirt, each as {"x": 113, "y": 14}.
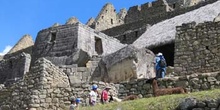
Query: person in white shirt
{"x": 93, "y": 95}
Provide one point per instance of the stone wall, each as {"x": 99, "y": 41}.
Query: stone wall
{"x": 56, "y": 42}
{"x": 88, "y": 39}
{"x": 47, "y": 87}
{"x": 76, "y": 74}
{"x": 127, "y": 33}
{"x": 158, "y": 11}
{"x": 146, "y": 10}
{"x": 193, "y": 83}
{"x": 44, "y": 87}
{"x": 197, "y": 48}
{"x": 14, "y": 68}
{"x": 140, "y": 23}
{"x": 108, "y": 18}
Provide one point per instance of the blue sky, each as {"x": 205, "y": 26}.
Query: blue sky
{"x": 20, "y": 17}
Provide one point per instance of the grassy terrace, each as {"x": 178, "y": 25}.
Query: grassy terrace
{"x": 168, "y": 102}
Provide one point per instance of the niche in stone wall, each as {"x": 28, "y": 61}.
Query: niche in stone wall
{"x": 111, "y": 21}
{"x": 10, "y": 64}
{"x": 168, "y": 52}
{"x": 174, "y": 6}
{"x": 136, "y": 34}
{"x": 53, "y": 36}
{"x": 98, "y": 46}
{"x": 124, "y": 38}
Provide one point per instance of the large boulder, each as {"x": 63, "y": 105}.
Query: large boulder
{"x": 124, "y": 65}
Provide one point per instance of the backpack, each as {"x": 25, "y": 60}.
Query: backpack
{"x": 162, "y": 63}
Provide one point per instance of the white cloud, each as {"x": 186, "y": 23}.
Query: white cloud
{"x": 7, "y": 48}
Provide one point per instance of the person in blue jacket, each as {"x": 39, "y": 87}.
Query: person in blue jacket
{"x": 160, "y": 65}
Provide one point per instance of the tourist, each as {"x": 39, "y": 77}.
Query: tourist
{"x": 104, "y": 95}
{"x": 93, "y": 95}
{"x": 74, "y": 104}
{"x": 160, "y": 65}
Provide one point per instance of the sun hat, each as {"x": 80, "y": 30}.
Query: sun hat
{"x": 159, "y": 54}
{"x": 94, "y": 87}
{"x": 108, "y": 87}
{"x": 77, "y": 100}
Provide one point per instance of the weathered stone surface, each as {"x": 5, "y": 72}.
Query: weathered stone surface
{"x": 91, "y": 22}
{"x": 146, "y": 10}
{"x": 72, "y": 20}
{"x": 25, "y": 42}
{"x": 187, "y": 104}
{"x": 55, "y": 25}
{"x": 14, "y": 67}
{"x": 126, "y": 64}
{"x": 198, "y": 54}
{"x": 74, "y": 80}
{"x": 108, "y": 18}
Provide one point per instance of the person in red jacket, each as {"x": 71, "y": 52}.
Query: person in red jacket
{"x": 104, "y": 96}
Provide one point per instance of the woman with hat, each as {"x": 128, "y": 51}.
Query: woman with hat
{"x": 104, "y": 96}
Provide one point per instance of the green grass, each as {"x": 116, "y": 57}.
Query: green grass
{"x": 168, "y": 102}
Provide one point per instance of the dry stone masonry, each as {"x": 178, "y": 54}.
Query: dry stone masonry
{"x": 193, "y": 83}
{"x": 197, "y": 48}
{"x": 14, "y": 68}
{"x": 116, "y": 49}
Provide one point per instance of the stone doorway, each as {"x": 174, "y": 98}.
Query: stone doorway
{"x": 168, "y": 52}
{"x": 98, "y": 46}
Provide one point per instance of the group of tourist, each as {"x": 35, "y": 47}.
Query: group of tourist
{"x": 93, "y": 96}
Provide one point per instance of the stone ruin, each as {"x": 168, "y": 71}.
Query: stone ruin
{"x": 117, "y": 50}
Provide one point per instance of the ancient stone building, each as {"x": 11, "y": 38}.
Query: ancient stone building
{"x": 17, "y": 61}
{"x": 107, "y": 18}
{"x": 115, "y": 49}
{"x": 161, "y": 36}
{"x": 72, "y": 44}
